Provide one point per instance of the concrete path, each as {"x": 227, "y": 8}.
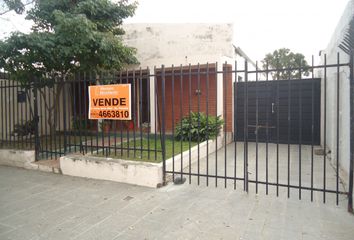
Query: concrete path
{"x": 37, "y": 205}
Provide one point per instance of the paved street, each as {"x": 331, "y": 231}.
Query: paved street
{"x": 36, "y": 205}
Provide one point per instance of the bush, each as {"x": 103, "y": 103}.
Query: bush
{"x": 24, "y": 129}
{"x": 209, "y": 127}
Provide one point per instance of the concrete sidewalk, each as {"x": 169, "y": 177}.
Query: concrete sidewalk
{"x": 37, "y": 205}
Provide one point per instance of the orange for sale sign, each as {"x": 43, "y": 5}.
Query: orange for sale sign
{"x": 110, "y": 102}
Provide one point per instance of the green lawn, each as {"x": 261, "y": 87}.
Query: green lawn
{"x": 141, "y": 152}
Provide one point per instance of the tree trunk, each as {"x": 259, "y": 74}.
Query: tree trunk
{"x": 53, "y": 108}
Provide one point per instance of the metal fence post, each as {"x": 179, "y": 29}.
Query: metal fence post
{"x": 36, "y": 119}
{"x": 64, "y": 118}
{"x": 163, "y": 124}
{"x": 350, "y": 191}
{"x": 246, "y": 128}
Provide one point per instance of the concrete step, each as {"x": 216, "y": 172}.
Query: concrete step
{"x": 52, "y": 165}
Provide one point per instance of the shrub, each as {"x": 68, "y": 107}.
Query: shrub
{"x": 24, "y": 129}
{"x": 198, "y": 127}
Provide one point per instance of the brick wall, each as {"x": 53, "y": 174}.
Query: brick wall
{"x": 180, "y": 100}
{"x": 227, "y": 79}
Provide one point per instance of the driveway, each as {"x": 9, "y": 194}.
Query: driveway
{"x": 271, "y": 163}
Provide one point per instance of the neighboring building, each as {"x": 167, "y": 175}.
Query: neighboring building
{"x": 346, "y": 22}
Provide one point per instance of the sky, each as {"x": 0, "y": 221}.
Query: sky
{"x": 260, "y": 26}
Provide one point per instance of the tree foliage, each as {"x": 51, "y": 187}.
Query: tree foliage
{"x": 69, "y": 35}
{"x": 289, "y": 65}
{"x": 16, "y": 5}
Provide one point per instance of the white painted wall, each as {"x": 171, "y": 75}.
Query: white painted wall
{"x": 344, "y": 107}
{"x": 179, "y": 43}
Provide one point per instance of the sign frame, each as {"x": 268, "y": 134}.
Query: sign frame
{"x": 105, "y": 102}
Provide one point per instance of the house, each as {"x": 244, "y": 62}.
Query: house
{"x": 192, "y": 54}
{"x": 196, "y": 62}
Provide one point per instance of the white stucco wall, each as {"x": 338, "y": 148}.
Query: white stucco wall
{"x": 344, "y": 107}
{"x": 179, "y": 43}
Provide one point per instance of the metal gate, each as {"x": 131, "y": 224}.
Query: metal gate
{"x": 274, "y": 110}
{"x": 282, "y": 137}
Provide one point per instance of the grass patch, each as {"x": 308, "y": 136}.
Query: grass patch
{"x": 147, "y": 150}
{"x": 53, "y": 142}
{"x": 142, "y": 149}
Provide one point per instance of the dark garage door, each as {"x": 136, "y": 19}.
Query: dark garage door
{"x": 288, "y": 110}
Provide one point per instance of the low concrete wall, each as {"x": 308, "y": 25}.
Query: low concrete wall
{"x": 184, "y": 157}
{"x": 118, "y": 170}
{"x": 132, "y": 172}
{"x": 17, "y": 158}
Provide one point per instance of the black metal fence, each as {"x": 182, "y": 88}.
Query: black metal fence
{"x": 288, "y": 136}
{"x": 233, "y": 125}
{"x": 285, "y": 123}
{"x": 52, "y": 118}
{"x": 17, "y": 122}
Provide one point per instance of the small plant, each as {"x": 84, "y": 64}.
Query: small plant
{"x": 24, "y": 129}
{"x": 198, "y": 127}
